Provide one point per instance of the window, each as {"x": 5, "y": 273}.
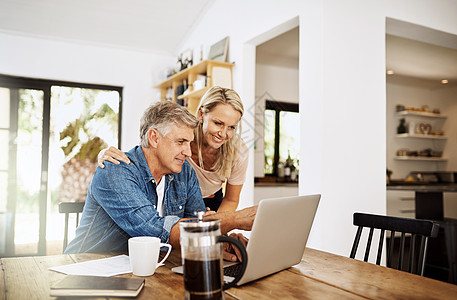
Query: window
{"x": 281, "y": 135}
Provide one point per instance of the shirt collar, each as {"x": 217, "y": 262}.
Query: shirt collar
{"x": 143, "y": 164}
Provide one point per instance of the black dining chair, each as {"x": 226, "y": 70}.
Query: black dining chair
{"x": 418, "y": 231}
{"x": 68, "y": 208}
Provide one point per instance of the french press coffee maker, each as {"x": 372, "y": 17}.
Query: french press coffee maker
{"x": 201, "y": 251}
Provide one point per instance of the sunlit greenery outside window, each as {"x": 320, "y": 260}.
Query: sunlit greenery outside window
{"x": 83, "y": 121}
{"x": 269, "y": 139}
{"x": 281, "y": 135}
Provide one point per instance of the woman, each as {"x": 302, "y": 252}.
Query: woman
{"x": 219, "y": 154}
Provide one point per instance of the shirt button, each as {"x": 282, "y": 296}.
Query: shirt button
{"x": 180, "y": 207}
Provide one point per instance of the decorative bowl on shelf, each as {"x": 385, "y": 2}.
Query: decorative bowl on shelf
{"x": 402, "y": 152}
{"x": 436, "y": 154}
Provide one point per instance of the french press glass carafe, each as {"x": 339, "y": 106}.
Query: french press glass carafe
{"x": 201, "y": 251}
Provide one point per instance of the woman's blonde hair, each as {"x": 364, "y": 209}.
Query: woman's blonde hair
{"x": 229, "y": 150}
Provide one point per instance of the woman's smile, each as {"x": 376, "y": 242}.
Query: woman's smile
{"x": 220, "y": 124}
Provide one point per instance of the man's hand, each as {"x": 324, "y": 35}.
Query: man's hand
{"x": 113, "y": 155}
{"x": 230, "y": 252}
{"x": 209, "y": 212}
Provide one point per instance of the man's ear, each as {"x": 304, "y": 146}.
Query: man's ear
{"x": 153, "y": 137}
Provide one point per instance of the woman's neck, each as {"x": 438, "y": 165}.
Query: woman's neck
{"x": 209, "y": 155}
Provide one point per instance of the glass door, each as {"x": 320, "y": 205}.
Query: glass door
{"x": 48, "y": 156}
{"x": 4, "y": 146}
{"x": 22, "y": 177}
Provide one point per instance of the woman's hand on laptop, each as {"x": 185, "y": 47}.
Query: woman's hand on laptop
{"x": 244, "y": 219}
{"x": 240, "y": 219}
{"x": 231, "y": 253}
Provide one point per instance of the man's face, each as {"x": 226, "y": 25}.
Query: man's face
{"x": 174, "y": 148}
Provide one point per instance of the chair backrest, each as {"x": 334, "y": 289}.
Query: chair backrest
{"x": 414, "y": 228}
{"x": 67, "y": 208}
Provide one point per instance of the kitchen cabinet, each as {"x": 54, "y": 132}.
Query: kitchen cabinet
{"x": 401, "y": 204}
{"x": 198, "y": 78}
{"x": 422, "y": 127}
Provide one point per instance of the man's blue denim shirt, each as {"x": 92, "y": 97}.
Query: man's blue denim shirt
{"x": 121, "y": 203}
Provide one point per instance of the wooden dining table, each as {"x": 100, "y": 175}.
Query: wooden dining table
{"x": 319, "y": 275}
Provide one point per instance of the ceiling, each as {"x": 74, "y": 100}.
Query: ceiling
{"x": 161, "y": 27}
{"x": 280, "y": 51}
{"x": 142, "y": 25}
{"x": 407, "y": 57}
{"x": 422, "y": 60}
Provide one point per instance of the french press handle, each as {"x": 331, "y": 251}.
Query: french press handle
{"x": 244, "y": 258}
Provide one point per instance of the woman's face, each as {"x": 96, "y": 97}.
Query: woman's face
{"x": 219, "y": 125}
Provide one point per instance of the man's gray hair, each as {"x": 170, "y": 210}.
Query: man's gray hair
{"x": 162, "y": 116}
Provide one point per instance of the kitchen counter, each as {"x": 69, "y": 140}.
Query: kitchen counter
{"x": 428, "y": 197}
{"x": 276, "y": 184}
{"x": 425, "y": 187}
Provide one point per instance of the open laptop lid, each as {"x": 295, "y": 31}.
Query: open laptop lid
{"x": 279, "y": 235}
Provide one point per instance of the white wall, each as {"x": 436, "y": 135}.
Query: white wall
{"x": 342, "y": 93}
{"x": 279, "y": 83}
{"x": 137, "y": 72}
{"x": 448, "y": 98}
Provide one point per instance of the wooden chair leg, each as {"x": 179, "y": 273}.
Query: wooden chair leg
{"x": 381, "y": 242}
{"x": 422, "y": 256}
{"x": 356, "y": 242}
{"x": 65, "y": 233}
{"x": 367, "y": 250}
{"x": 402, "y": 252}
{"x": 391, "y": 249}
{"x": 412, "y": 253}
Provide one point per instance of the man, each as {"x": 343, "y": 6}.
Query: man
{"x": 149, "y": 196}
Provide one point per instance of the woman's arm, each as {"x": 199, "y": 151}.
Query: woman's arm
{"x": 231, "y": 199}
{"x": 113, "y": 155}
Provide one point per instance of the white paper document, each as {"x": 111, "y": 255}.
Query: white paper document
{"x": 99, "y": 267}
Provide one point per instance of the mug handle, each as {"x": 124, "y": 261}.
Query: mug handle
{"x": 244, "y": 257}
{"x": 166, "y": 256}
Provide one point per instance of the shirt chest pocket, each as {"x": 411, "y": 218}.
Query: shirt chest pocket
{"x": 177, "y": 207}
{"x": 177, "y": 199}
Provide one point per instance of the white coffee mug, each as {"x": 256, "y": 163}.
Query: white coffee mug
{"x": 144, "y": 254}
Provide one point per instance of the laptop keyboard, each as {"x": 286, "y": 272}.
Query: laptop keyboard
{"x": 233, "y": 270}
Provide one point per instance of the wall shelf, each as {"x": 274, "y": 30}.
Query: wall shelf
{"x": 216, "y": 72}
{"x": 421, "y": 136}
{"x": 421, "y": 114}
{"x": 195, "y": 94}
{"x": 420, "y": 158}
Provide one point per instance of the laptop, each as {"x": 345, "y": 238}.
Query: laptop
{"x": 279, "y": 235}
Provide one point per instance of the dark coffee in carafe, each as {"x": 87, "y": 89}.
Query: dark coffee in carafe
{"x": 203, "y": 279}
{"x": 201, "y": 251}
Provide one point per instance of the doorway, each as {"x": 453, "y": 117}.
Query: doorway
{"x": 421, "y": 84}
{"x": 276, "y": 82}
